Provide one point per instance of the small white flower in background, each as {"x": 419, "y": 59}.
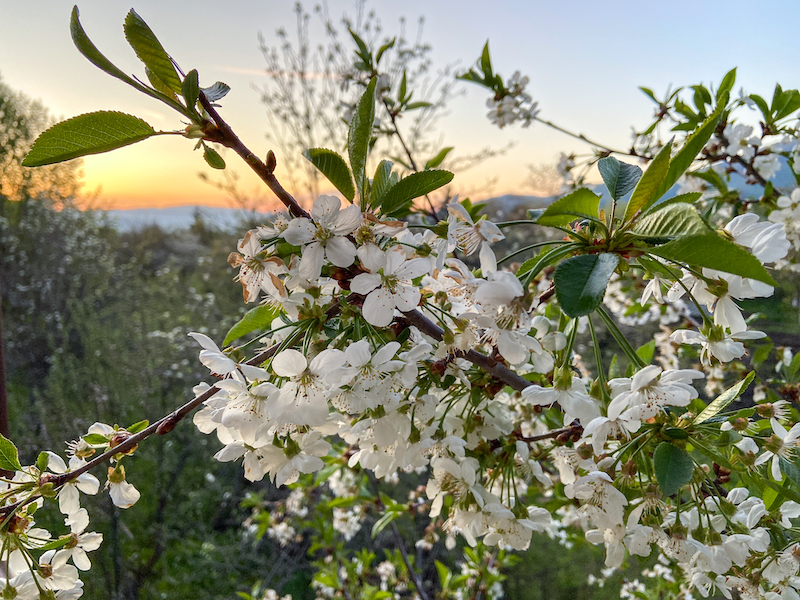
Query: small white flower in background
{"x": 469, "y": 237}
{"x": 715, "y": 344}
{"x": 781, "y": 444}
{"x": 767, "y": 166}
{"x": 741, "y": 141}
{"x": 325, "y": 236}
{"x": 302, "y": 455}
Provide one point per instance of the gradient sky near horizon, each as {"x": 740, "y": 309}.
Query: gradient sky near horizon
{"x": 585, "y": 60}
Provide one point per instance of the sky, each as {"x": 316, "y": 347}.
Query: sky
{"x": 585, "y": 60}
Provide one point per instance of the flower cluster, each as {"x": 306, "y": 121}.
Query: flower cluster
{"x": 39, "y": 564}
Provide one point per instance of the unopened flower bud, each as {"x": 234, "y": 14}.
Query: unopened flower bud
{"x": 194, "y": 131}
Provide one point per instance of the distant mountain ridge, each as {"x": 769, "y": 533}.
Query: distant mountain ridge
{"x": 231, "y": 219}
{"x": 179, "y": 217}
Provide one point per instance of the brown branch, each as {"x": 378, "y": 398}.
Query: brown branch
{"x": 566, "y": 432}
{"x": 488, "y": 364}
{"x": 221, "y": 133}
{"x": 162, "y": 426}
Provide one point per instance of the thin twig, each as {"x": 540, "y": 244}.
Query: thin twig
{"x": 399, "y": 540}
{"x": 223, "y": 134}
{"x": 572, "y": 429}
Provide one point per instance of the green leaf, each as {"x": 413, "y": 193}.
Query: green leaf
{"x": 139, "y": 426}
{"x": 789, "y": 469}
{"x": 673, "y": 467}
{"x": 150, "y": 51}
{"x": 384, "y": 48}
{"x": 486, "y": 62}
{"x": 531, "y": 267}
{"x": 214, "y": 160}
{"x": 671, "y": 221}
{"x": 760, "y": 354}
{"x": 190, "y": 88}
{"x": 382, "y": 182}
{"x": 438, "y": 159}
{"x": 691, "y": 148}
{"x": 687, "y": 198}
{"x": 726, "y": 85}
{"x": 582, "y": 202}
{"x": 790, "y": 103}
{"x": 9, "y": 457}
{"x": 676, "y": 433}
{"x": 762, "y": 106}
{"x": 788, "y": 492}
{"x": 724, "y": 399}
{"x": 415, "y": 185}
{"x": 384, "y": 521}
{"x": 334, "y": 168}
{"x": 42, "y": 461}
{"x": 159, "y": 85}
{"x": 646, "y": 352}
{"x": 256, "y": 318}
{"x": 619, "y": 177}
{"x": 90, "y": 51}
{"x": 91, "y": 133}
{"x": 644, "y": 194}
{"x": 714, "y": 252}
{"x": 581, "y": 282}
{"x": 360, "y": 135}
